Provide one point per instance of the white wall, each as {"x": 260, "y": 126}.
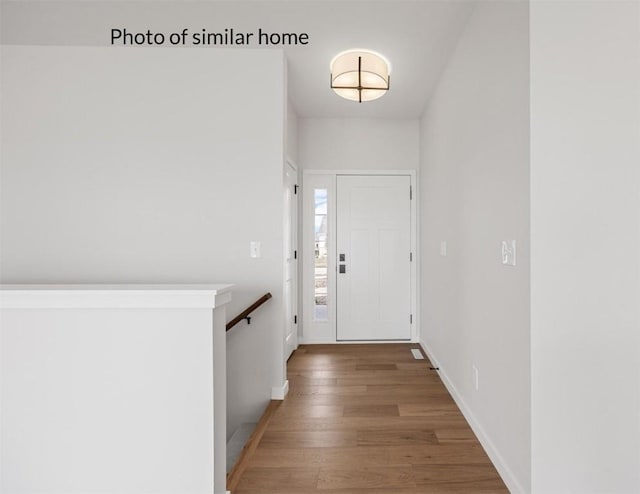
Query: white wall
{"x": 475, "y": 193}
{"x": 292, "y": 133}
{"x": 585, "y": 245}
{"x": 358, "y": 144}
{"x": 341, "y": 144}
{"x": 147, "y": 165}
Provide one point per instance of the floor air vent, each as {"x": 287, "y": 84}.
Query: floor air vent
{"x": 417, "y": 354}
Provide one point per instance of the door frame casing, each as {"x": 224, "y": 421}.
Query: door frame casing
{"x": 290, "y": 165}
{"x": 311, "y": 332}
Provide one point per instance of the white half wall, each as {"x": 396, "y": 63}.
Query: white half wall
{"x": 358, "y": 144}
{"x": 585, "y": 246}
{"x": 151, "y": 166}
{"x": 474, "y": 193}
{"x": 116, "y": 389}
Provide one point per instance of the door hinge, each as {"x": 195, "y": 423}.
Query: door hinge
{"x": 410, "y": 318}
{"x": 295, "y": 254}
{"x": 295, "y": 319}
{"x": 410, "y": 192}
{"x": 410, "y": 256}
{"x": 295, "y": 189}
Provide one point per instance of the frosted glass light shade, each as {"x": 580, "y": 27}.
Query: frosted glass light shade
{"x": 360, "y": 75}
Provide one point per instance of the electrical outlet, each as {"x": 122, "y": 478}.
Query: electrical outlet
{"x": 476, "y": 380}
{"x": 443, "y": 248}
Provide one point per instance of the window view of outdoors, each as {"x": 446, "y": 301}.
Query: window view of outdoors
{"x": 320, "y": 267}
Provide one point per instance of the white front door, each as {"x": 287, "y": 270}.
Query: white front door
{"x": 290, "y": 260}
{"x": 373, "y": 239}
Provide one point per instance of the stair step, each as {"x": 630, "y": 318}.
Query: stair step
{"x": 237, "y": 442}
{"x": 233, "y": 475}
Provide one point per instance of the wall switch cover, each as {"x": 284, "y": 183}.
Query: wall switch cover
{"x": 509, "y": 252}
{"x": 443, "y": 247}
{"x": 254, "y": 249}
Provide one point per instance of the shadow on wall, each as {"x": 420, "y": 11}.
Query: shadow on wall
{"x": 250, "y": 361}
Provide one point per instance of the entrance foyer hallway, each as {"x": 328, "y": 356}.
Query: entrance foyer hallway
{"x": 366, "y": 419}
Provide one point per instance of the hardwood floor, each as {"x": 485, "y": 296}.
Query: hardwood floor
{"x": 366, "y": 419}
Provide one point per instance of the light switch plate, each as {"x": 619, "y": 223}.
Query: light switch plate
{"x": 509, "y": 252}
{"x": 254, "y": 249}
{"x": 443, "y": 247}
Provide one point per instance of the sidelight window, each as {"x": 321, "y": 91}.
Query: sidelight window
{"x": 320, "y": 255}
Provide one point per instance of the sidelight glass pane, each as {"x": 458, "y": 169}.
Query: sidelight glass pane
{"x": 321, "y": 312}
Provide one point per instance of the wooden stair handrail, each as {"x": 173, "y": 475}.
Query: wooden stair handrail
{"x": 245, "y": 313}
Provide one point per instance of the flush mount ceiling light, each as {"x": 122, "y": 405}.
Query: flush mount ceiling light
{"x": 360, "y": 75}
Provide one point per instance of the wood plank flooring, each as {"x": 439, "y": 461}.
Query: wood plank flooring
{"x": 366, "y": 419}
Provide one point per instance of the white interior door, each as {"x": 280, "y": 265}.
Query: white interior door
{"x": 291, "y": 260}
{"x": 373, "y": 257}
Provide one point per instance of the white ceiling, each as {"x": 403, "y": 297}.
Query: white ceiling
{"x": 416, "y": 36}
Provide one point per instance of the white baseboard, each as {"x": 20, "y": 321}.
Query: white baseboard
{"x": 279, "y": 392}
{"x": 504, "y": 471}
{"x": 354, "y": 342}
{"x": 317, "y": 341}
